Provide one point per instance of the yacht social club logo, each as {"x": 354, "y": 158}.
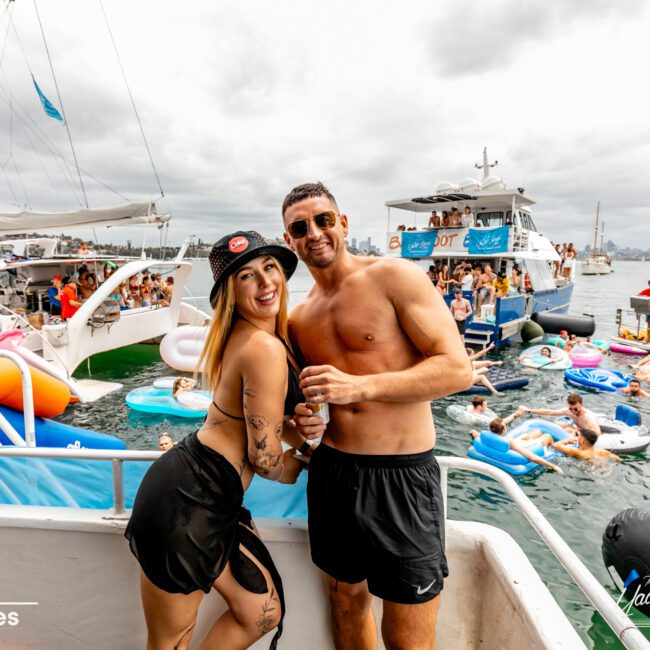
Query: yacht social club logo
{"x": 637, "y": 595}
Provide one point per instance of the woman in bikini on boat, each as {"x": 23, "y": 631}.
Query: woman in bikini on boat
{"x": 188, "y": 528}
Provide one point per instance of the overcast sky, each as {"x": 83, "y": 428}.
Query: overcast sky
{"x": 240, "y": 101}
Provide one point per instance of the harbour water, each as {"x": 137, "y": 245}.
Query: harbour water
{"x": 578, "y": 504}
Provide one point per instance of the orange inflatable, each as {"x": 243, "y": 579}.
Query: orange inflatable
{"x": 51, "y": 396}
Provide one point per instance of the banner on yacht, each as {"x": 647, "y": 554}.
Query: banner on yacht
{"x": 47, "y": 104}
{"x": 487, "y": 242}
{"x": 418, "y": 244}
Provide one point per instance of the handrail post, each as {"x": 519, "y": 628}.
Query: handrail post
{"x": 118, "y": 486}
{"x": 28, "y": 396}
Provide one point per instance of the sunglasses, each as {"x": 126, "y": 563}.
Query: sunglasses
{"x": 325, "y": 221}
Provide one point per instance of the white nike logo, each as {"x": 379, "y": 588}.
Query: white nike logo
{"x": 424, "y": 591}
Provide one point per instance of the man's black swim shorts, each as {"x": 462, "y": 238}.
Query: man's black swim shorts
{"x": 380, "y": 519}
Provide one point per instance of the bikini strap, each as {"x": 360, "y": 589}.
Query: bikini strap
{"x": 234, "y": 417}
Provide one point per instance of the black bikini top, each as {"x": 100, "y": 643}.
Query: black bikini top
{"x": 294, "y": 394}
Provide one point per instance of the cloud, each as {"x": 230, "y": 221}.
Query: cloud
{"x": 472, "y": 38}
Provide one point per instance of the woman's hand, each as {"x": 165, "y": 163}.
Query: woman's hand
{"x": 291, "y": 467}
{"x": 309, "y": 426}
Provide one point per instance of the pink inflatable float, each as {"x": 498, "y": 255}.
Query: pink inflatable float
{"x": 583, "y": 356}
{"x": 627, "y": 349}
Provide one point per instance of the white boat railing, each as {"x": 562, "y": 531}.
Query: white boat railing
{"x": 28, "y": 404}
{"x": 624, "y": 628}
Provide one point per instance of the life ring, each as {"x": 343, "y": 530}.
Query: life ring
{"x": 462, "y": 415}
{"x": 533, "y": 358}
{"x": 585, "y": 357}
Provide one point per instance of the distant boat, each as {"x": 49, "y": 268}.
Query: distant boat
{"x": 598, "y": 262}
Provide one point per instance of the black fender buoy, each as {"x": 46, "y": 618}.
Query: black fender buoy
{"x": 531, "y": 331}
{"x": 626, "y": 550}
{"x": 554, "y": 323}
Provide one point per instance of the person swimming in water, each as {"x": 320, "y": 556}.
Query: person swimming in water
{"x": 165, "y": 442}
{"x": 546, "y": 352}
{"x": 585, "y": 450}
{"x": 583, "y": 418}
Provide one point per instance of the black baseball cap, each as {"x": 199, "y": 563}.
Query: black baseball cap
{"x": 231, "y": 252}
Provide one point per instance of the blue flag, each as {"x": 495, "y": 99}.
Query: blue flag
{"x": 482, "y": 241}
{"x": 418, "y": 244}
{"x": 47, "y": 104}
{"x": 632, "y": 576}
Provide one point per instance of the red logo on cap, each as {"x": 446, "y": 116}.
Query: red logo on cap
{"x": 237, "y": 244}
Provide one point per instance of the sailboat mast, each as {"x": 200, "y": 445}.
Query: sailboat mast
{"x": 602, "y": 235}
{"x": 596, "y": 227}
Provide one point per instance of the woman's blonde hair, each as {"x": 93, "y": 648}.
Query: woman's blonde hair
{"x": 224, "y": 317}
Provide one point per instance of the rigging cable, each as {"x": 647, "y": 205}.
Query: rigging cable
{"x": 135, "y": 110}
{"x": 65, "y": 119}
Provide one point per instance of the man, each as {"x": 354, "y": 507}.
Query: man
{"x": 381, "y": 344}
{"x": 69, "y": 301}
{"x": 586, "y": 450}
{"x": 499, "y": 426}
{"x": 582, "y": 418}
{"x": 165, "y": 442}
{"x": 434, "y": 220}
{"x": 54, "y": 295}
{"x": 501, "y": 285}
{"x": 485, "y": 287}
{"x": 634, "y": 389}
{"x": 478, "y": 405}
{"x": 461, "y": 310}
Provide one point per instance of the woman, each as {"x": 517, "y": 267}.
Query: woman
{"x": 443, "y": 280}
{"x": 188, "y": 529}
{"x": 569, "y": 260}
{"x": 446, "y": 219}
{"x": 515, "y": 282}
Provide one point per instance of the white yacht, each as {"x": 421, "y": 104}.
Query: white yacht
{"x": 500, "y": 231}
{"x": 59, "y": 346}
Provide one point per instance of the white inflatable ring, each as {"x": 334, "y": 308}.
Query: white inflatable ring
{"x": 181, "y": 348}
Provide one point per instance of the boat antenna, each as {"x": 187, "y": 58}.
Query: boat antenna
{"x": 135, "y": 110}
{"x": 58, "y": 94}
{"x": 486, "y": 166}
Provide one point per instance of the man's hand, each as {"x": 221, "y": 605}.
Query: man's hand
{"x": 308, "y": 425}
{"x": 328, "y": 384}
{"x": 291, "y": 467}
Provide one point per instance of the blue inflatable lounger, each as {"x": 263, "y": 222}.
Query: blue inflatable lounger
{"x": 501, "y": 378}
{"x": 56, "y": 434}
{"x": 495, "y": 450}
{"x": 597, "y": 378}
{"x": 188, "y": 404}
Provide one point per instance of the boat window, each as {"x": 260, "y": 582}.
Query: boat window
{"x": 489, "y": 219}
{"x": 34, "y": 250}
{"x": 526, "y": 221}
{"x": 541, "y": 278}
